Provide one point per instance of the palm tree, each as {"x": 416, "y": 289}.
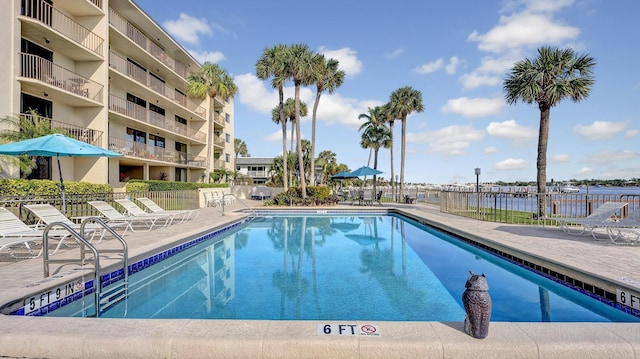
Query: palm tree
{"x": 240, "y": 148}
{"x": 375, "y": 135}
{"x": 326, "y": 76}
{"x": 403, "y": 102}
{"x": 211, "y": 80}
{"x": 289, "y": 111}
{"x": 373, "y": 119}
{"x": 273, "y": 63}
{"x": 328, "y": 160}
{"x": 550, "y": 78}
{"x": 300, "y": 69}
{"x": 24, "y": 127}
{"x": 387, "y": 116}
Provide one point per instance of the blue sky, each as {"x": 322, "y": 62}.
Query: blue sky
{"x": 457, "y": 53}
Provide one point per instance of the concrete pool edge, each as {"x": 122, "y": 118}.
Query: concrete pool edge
{"x": 145, "y": 338}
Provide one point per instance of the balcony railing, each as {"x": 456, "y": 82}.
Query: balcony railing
{"x": 145, "y": 151}
{"x": 135, "y": 35}
{"x": 97, "y": 3}
{"x": 87, "y": 135}
{"x": 50, "y": 16}
{"x": 125, "y": 67}
{"x": 142, "y": 114}
{"x": 218, "y": 118}
{"x": 38, "y": 68}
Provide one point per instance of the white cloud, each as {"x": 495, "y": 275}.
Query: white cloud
{"x": 204, "y": 56}
{"x": 524, "y": 29}
{"x": 438, "y": 64}
{"x": 430, "y": 67}
{"x": 451, "y": 140}
{"x": 584, "y": 171}
{"x": 632, "y": 134}
{"x": 600, "y": 130}
{"x": 348, "y": 59}
{"x": 560, "y": 158}
{"x": 475, "y": 79}
{"x": 606, "y": 157}
{"x": 490, "y": 150}
{"x": 395, "y": 53}
{"x": 520, "y": 135}
{"x": 476, "y": 107}
{"x": 333, "y": 108}
{"x": 452, "y": 66}
{"x": 511, "y": 164}
{"x": 188, "y": 28}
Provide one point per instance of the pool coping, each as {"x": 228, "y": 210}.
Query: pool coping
{"x": 87, "y": 337}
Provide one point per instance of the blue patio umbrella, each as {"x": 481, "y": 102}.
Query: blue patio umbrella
{"x": 365, "y": 171}
{"x": 341, "y": 175}
{"x": 55, "y": 145}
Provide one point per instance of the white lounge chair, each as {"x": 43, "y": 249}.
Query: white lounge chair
{"x": 113, "y": 216}
{"x": 602, "y": 216}
{"x": 212, "y": 200}
{"x": 627, "y": 225}
{"x": 153, "y": 207}
{"x": 47, "y": 214}
{"x": 133, "y": 210}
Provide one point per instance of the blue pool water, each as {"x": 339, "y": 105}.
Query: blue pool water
{"x": 352, "y": 267}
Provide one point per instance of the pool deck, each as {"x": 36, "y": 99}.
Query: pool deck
{"x": 611, "y": 266}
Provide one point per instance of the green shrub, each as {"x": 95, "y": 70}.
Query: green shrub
{"x": 316, "y": 195}
{"x": 23, "y": 187}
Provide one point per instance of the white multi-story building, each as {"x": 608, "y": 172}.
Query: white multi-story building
{"x": 107, "y": 74}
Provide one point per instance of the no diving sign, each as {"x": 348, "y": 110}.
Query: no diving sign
{"x": 348, "y": 329}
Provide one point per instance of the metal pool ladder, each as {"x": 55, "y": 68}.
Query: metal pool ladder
{"x": 111, "y": 293}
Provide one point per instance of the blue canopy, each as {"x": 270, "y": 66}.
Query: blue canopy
{"x": 345, "y": 174}
{"x": 55, "y": 145}
{"x": 365, "y": 171}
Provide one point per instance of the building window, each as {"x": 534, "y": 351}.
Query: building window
{"x": 156, "y": 141}
{"x": 137, "y": 100}
{"x": 181, "y": 120}
{"x": 156, "y": 109}
{"x": 227, "y": 118}
{"x": 181, "y": 150}
{"x": 227, "y": 157}
{"x": 227, "y": 138}
{"x": 134, "y": 135}
{"x": 181, "y": 175}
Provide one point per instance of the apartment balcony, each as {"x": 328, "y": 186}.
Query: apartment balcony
{"x": 219, "y": 141}
{"x": 219, "y": 163}
{"x": 128, "y": 30}
{"x": 43, "y": 22}
{"x": 40, "y": 75}
{"x": 87, "y": 135}
{"x": 149, "y": 153}
{"x": 218, "y": 119}
{"x": 255, "y": 174}
{"x": 142, "y": 114}
{"x": 126, "y": 68}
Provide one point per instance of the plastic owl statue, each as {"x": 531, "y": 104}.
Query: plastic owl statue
{"x": 477, "y": 304}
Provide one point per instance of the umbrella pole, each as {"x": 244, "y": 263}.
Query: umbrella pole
{"x": 64, "y": 203}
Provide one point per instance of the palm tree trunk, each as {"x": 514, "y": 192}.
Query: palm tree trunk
{"x": 210, "y": 137}
{"x": 283, "y": 122}
{"x": 393, "y": 183}
{"x": 402, "y": 154}
{"x": 303, "y": 181}
{"x": 543, "y": 139}
{"x": 313, "y": 140}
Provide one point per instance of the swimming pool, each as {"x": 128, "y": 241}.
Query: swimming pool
{"x": 344, "y": 267}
